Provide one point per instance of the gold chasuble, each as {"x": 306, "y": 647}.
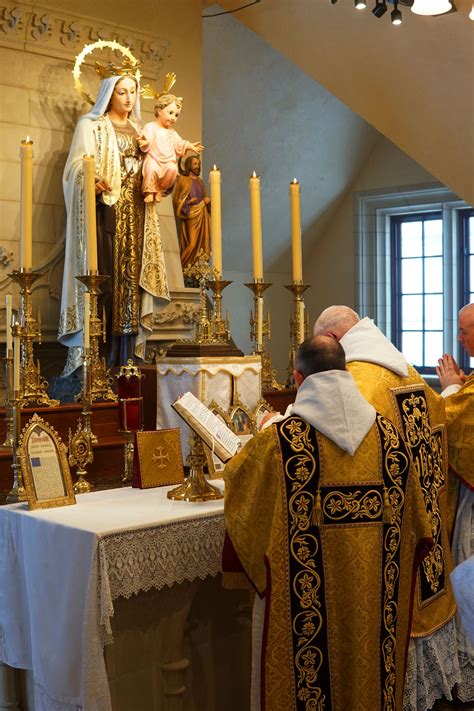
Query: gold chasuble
{"x": 419, "y": 414}
{"x": 460, "y": 419}
{"x": 330, "y": 539}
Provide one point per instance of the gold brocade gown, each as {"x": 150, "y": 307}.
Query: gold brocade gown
{"x": 120, "y": 232}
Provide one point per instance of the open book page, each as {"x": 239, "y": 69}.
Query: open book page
{"x": 218, "y": 437}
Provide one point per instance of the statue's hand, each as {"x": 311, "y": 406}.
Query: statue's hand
{"x": 143, "y": 142}
{"x": 102, "y": 186}
{"x": 206, "y": 200}
{"x": 198, "y": 147}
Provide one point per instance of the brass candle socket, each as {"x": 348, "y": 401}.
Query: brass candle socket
{"x": 8, "y": 443}
{"x": 17, "y": 492}
{"x": 196, "y": 487}
{"x": 299, "y": 326}
{"x": 33, "y": 387}
{"x": 260, "y": 329}
{"x": 100, "y": 379}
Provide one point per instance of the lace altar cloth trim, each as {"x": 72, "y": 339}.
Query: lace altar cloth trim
{"x": 432, "y": 669}
{"x": 161, "y": 555}
{"x": 235, "y": 369}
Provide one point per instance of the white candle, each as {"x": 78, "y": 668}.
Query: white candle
{"x": 26, "y": 204}
{"x": 256, "y": 216}
{"x": 16, "y": 364}
{"x": 216, "y": 220}
{"x": 88, "y": 163}
{"x": 8, "y": 322}
{"x": 87, "y": 317}
{"x": 296, "y": 231}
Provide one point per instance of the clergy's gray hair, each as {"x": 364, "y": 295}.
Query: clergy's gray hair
{"x": 335, "y": 321}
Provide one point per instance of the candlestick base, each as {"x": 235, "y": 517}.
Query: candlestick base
{"x": 299, "y": 326}
{"x": 195, "y": 488}
{"x": 17, "y": 492}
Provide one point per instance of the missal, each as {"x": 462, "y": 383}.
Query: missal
{"x": 215, "y": 433}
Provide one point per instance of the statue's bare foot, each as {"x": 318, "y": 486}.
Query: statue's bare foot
{"x": 149, "y": 197}
{"x": 157, "y": 197}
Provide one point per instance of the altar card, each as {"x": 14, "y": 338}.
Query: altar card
{"x": 157, "y": 459}
{"x": 44, "y": 466}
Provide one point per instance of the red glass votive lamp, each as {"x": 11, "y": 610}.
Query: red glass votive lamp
{"x": 130, "y": 400}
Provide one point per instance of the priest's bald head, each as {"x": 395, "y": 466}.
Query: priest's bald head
{"x": 335, "y": 321}
{"x": 316, "y": 355}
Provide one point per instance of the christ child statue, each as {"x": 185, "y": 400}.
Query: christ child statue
{"x": 162, "y": 146}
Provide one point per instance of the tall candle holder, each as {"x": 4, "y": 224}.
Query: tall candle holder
{"x": 8, "y": 443}
{"x": 260, "y": 328}
{"x": 17, "y": 492}
{"x": 130, "y": 412}
{"x": 80, "y": 443}
{"x": 195, "y": 488}
{"x": 298, "y": 325}
{"x": 220, "y": 326}
{"x": 100, "y": 379}
{"x": 33, "y": 387}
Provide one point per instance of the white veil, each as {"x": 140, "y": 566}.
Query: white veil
{"x": 103, "y": 97}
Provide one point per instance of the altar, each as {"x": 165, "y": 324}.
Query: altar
{"x": 133, "y": 572}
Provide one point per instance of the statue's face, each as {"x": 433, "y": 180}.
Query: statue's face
{"x": 195, "y": 166}
{"x": 124, "y": 96}
{"x": 169, "y": 115}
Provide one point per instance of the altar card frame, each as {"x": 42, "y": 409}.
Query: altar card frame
{"x": 242, "y": 422}
{"x": 44, "y": 465}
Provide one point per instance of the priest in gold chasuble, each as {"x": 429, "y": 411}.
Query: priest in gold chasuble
{"x": 326, "y": 517}
{"x": 397, "y": 391}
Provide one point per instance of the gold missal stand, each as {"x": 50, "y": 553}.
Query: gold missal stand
{"x": 195, "y": 488}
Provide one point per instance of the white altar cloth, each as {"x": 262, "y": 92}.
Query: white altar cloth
{"x": 62, "y": 568}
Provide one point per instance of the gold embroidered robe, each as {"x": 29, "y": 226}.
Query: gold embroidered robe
{"x": 419, "y": 413}
{"x": 460, "y": 419}
{"x": 330, "y": 540}
{"x": 194, "y": 221}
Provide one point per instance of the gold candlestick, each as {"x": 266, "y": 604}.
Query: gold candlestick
{"x": 80, "y": 443}
{"x": 195, "y": 488}
{"x": 100, "y": 378}
{"x": 220, "y": 326}
{"x": 259, "y": 330}
{"x": 33, "y": 387}
{"x": 8, "y": 443}
{"x": 298, "y": 325}
{"x": 17, "y": 492}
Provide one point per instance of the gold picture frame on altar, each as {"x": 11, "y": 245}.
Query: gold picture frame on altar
{"x": 44, "y": 465}
{"x": 240, "y": 420}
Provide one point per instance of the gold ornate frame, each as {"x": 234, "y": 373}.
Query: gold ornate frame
{"x": 56, "y": 488}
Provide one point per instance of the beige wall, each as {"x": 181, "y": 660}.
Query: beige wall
{"x": 38, "y": 46}
{"x": 331, "y": 256}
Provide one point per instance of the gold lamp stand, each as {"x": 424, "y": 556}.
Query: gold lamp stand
{"x": 80, "y": 443}
{"x": 196, "y": 487}
{"x": 17, "y": 492}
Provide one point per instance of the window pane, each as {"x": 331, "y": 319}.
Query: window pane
{"x": 412, "y": 347}
{"x": 411, "y": 239}
{"x": 433, "y": 348}
{"x": 471, "y": 234}
{"x": 434, "y": 312}
{"x": 433, "y": 237}
{"x": 471, "y": 273}
{"x": 411, "y": 276}
{"x": 434, "y": 274}
{"x": 412, "y": 312}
